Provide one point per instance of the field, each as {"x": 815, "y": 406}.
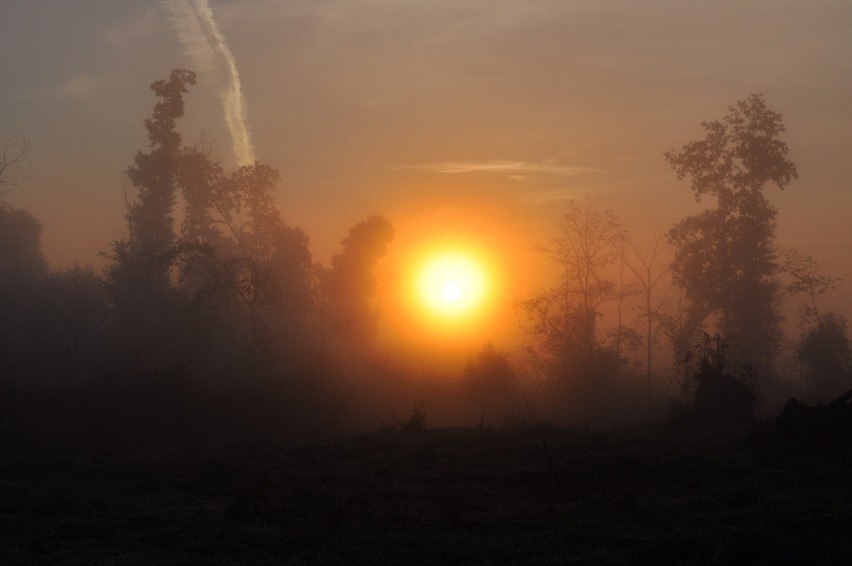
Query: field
{"x": 532, "y": 495}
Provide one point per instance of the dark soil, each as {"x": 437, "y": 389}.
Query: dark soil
{"x": 524, "y": 496}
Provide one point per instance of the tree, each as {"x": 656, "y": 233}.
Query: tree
{"x": 154, "y": 175}
{"x": 150, "y": 325}
{"x": 490, "y": 382}
{"x": 824, "y": 347}
{"x": 712, "y": 395}
{"x": 21, "y": 258}
{"x": 806, "y": 279}
{"x": 562, "y": 322}
{"x": 349, "y": 287}
{"x": 11, "y": 162}
{"x": 23, "y": 272}
{"x": 262, "y": 263}
{"x": 648, "y": 278}
{"x": 724, "y": 257}
{"x": 826, "y": 351}
{"x": 585, "y": 247}
{"x": 199, "y": 176}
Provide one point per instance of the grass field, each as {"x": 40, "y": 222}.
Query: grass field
{"x": 535, "y": 495}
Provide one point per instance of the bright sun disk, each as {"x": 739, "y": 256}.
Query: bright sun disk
{"x": 452, "y": 292}
{"x": 452, "y": 284}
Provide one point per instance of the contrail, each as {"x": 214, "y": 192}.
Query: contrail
{"x": 209, "y": 51}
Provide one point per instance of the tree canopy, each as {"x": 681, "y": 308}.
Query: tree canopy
{"x": 725, "y": 257}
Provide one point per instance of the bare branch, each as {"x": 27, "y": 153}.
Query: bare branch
{"x": 14, "y": 157}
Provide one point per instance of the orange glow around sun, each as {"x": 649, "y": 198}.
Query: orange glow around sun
{"x": 448, "y": 284}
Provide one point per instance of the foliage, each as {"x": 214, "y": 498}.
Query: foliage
{"x": 245, "y": 276}
{"x": 349, "y": 286}
{"x": 491, "y": 384}
{"x": 805, "y": 278}
{"x": 824, "y": 347}
{"x": 826, "y": 351}
{"x": 583, "y": 250}
{"x": 489, "y": 368}
{"x": 416, "y": 421}
{"x": 712, "y": 395}
{"x": 562, "y": 322}
{"x": 724, "y": 257}
{"x": 154, "y": 174}
{"x": 21, "y": 257}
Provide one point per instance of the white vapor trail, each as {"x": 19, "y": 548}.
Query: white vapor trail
{"x": 206, "y": 46}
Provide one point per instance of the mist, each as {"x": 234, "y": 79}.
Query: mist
{"x": 476, "y": 283}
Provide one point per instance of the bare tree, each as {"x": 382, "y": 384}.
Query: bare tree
{"x": 562, "y": 323}
{"x": 806, "y": 278}
{"x": 14, "y": 157}
{"x": 648, "y": 278}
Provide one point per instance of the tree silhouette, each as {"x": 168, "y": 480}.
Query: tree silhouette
{"x": 349, "y": 287}
{"x": 649, "y": 276}
{"x": 805, "y": 278}
{"x": 199, "y": 177}
{"x": 824, "y": 347}
{"x": 263, "y": 263}
{"x": 562, "y": 322}
{"x": 490, "y": 382}
{"x": 712, "y": 394}
{"x": 724, "y": 257}
{"x": 12, "y": 159}
{"x": 21, "y": 258}
{"x": 826, "y": 351}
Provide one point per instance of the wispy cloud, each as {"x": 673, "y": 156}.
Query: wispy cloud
{"x": 132, "y": 32}
{"x": 536, "y": 198}
{"x": 82, "y": 86}
{"x": 517, "y": 170}
{"x": 209, "y": 51}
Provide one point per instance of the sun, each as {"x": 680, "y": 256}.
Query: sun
{"x": 452, "y": 292}
{"x": 452, "y": 284}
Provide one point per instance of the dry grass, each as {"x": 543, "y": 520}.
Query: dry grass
{"x": 435, "y": 496}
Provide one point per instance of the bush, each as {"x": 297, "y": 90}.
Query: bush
{"x": 712, "y": 396}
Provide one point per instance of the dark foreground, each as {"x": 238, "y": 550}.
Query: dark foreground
{"x": 531, "y": 496}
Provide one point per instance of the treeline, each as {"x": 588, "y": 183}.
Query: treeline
{"x": 225, "y": 325}
{"x": 723, "y": 329}
{"x": 228, "y": 304}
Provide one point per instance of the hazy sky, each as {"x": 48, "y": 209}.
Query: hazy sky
{"x": 474, "y": 116}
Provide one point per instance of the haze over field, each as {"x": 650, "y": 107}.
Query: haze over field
{"x": 425, "y": 281}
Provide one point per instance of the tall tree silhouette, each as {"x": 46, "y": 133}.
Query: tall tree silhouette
{"x": 154, "y": 174}
{"x": 725, "y": 257}
{"x": 649, "y": 277}
{"x": 349, "y": 287}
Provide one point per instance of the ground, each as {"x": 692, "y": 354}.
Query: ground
{"x": 527, "y": 495}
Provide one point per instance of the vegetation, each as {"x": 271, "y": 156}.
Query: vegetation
{"x": 563, "y": 322}
{"x": 725, "y": 258}
{"x": 228, "y": 313}
{"x": 712, "y": 395}
{"x": 162, "y": 408}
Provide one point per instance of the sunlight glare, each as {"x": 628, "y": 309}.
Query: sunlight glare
{"x": 452, "y": 292}
{"x": 452, "y": 284}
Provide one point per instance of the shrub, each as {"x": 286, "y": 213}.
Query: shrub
{"x": 712, "y": 395}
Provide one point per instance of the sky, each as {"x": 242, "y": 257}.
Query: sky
{"x": 471, "y": 120}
